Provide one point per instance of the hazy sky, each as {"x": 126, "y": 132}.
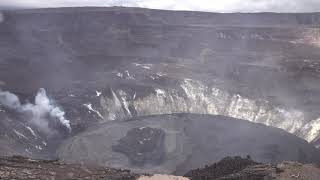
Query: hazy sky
{"x": 198, "y": 5}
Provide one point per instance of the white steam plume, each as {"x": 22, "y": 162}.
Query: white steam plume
{"x": 40, "y": 113}
{"x": 9, "y": 100}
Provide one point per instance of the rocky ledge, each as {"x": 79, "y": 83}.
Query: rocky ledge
{"x": 18, "y": 167}
{"x": 229, "y": 168}
{"x": 237, "y": 168}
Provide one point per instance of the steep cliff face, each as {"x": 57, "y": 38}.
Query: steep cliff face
{"x": 196, "y": 97}
{"x": 101, "y": 64}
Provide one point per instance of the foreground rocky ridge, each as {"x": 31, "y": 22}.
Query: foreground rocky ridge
{"x": 230, "y": 168}
{"x": 237, "y": 168}
{"x": 18, "y": 167}
{"x": 225, "y": 167}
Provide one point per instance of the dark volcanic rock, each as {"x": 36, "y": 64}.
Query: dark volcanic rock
{"x": 190, "y": 141}
{"x": 237, "y": 168}
{"x": 142, "y": 145}
{"x": 227, "y": 166}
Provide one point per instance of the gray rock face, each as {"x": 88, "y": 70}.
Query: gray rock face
{"x": 182, "y": 142}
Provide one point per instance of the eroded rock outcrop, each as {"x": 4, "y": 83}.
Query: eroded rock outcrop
{"x": 237, "y": 168}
